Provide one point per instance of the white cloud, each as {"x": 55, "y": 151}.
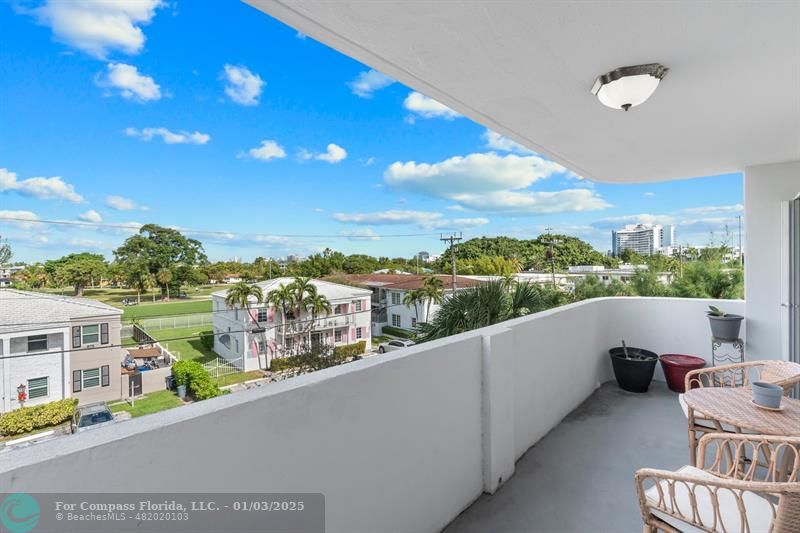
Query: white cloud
{"x": 427, "y": 107}
{"x": 422, "y": 219}
{"x": 649, "y": 194}
{"x": 369, "y": 81}
{"x": 473, "y": 173}
{"x": 362, "y": 235}
{"x": 99, "y": 26}
{"x": 169, "y": 137}
{"x": 266, "y": 151}
{"x": 90, "y": 216}
{"x": 120, "y": 203}
{"x": 43, "y": 188}
{"x": 334, "y": 154}
{"x": 130, "y": 84}
{"x": 367, "y": 162}
{"x": 713, "y": 209}
{"x": 642, "y": 218}
{"x": 495, "y": 141}
{"x": 494, "y": 183}
{"x": 533, "y": 203}
{"x": 22, "y": 219}
{"x": 243, "y": 86}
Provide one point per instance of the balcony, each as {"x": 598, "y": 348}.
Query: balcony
{"x": 433, "y": 427}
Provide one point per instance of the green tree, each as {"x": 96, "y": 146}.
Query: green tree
{"x": 33, "y": 276}
{"x": 281, "y": 298}
{"x": 164, "y": 278}
{"x": 136, "y": 276}
{"x": 163, "y": 249}
{"x": 414, "y": 298}
{"x": 432, "y": 292}
{"x": 77, "y": 270}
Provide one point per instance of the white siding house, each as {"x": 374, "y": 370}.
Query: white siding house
{"x": 236, "y": 331}
{"x": 56, "y": 347}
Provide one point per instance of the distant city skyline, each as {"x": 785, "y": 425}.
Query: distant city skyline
{"x": 272, "y": 145}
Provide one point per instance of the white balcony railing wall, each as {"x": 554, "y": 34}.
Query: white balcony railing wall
{"x": 398, "y": 442}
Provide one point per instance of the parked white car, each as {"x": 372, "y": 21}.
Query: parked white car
{"x": 395, "y": 344}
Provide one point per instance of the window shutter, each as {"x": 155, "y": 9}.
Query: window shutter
{"x": 104, "y": 377}
{"x": 76, "y": 336}
{"x": 104, "y": 333}
{"x": 76, "y": 381}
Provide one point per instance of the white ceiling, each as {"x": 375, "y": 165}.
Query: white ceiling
{"x": 525, "y": 69}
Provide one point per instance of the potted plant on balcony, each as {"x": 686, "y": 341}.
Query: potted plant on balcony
{"x": 724, "y": 326}
{"x": 633, "y": 367}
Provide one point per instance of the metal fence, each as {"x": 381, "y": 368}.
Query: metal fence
{"x": 176, "y": 322}
{"x": 222, "y": 367}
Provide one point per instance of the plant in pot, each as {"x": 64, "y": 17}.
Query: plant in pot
{"x": 633, "y": 367}
{"x": 724, "y": 326}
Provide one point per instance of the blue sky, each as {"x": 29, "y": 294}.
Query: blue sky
{"x": 276, "y": 142}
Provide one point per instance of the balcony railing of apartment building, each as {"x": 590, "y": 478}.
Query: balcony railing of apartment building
{"x": 399, "y": 442}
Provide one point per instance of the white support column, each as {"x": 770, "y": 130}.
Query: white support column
{"x": 497, "y": 408}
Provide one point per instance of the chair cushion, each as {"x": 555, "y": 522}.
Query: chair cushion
{"x": 699, "y": 418}
{"x": 758, "y": 510}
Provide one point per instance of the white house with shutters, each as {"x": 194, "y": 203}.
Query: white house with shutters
{"x": 55, "y": 347}
{"x": 238, "y": 337}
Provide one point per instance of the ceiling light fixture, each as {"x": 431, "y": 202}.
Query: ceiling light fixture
{"x": 627, "y": 87}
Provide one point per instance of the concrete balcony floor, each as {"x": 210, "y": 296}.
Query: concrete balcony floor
{"x": 579, "y": 477}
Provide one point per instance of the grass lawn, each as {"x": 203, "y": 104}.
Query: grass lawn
{"x": 149, "y": 403}
{"x": 114, "y": 296}
{"x": 175, "y": 307}
{"x": 186, "y": 348}
{"x": 238, "y": 377}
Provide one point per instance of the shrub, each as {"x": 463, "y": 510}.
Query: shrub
{"x": 196, "y": 379}
{"x": 399, "y": 332}
{"x": 207, "y": 340}
{"x": 27, "y": 419}
{"x": 349, "y": 350}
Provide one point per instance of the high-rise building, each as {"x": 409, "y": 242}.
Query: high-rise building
{"x": 644, "y": 239}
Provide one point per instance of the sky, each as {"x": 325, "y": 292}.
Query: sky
{"x": 260, "y": 141}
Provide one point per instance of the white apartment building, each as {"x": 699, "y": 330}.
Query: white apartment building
{"x": 238, "y": 337}
{"x": 389, "y": 292}
{"x": 644, "y": 239}
{"x": 7, "y": 274}
{"x": 56, "y": 347}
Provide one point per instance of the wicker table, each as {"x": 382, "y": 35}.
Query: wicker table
{"x": 734, "y": 406}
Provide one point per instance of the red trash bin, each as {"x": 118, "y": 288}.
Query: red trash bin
{"x": 676, "y": 366}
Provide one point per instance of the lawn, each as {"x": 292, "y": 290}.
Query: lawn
{"x": 190, "y": 348}
{"x": 238, "y": 377}
{"x": 175, "y": 307}
{"x": 149, "y": 403}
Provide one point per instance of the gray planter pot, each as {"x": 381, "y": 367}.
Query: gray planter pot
{"x": 767, "y": 394}
{"x": 181, "y": 391}
{"x": 726, "y": 327}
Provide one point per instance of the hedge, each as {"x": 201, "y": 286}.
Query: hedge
{"x": 399, "y": 332}
{"x": 350, "y": 350}
{"x": 26, "y": 419}
{"x": 207, "y": 340}
{"x": 196, "y": 379}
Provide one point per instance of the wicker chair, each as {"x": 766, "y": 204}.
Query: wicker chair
{"x": 723, "y": 493}
{"x": 783, "y": 373}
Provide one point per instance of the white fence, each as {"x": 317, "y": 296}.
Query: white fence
{"x": 174, "y": 322}
{"x": 222, "y": 367}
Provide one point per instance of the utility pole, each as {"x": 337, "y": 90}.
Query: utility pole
{"x": 741, "y": 254}
{"x": 452, "y": 239}
{"x": 551, "y": 254}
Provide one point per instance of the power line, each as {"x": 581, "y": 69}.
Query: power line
{"x": 214, "y": 232}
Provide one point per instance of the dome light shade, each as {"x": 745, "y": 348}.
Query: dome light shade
{"x": 627, "y": 87}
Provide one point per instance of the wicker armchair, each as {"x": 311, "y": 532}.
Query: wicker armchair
{"x": 783, "y": 373}
{"x": 724, "y": 493}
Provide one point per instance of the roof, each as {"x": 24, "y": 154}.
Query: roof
{"x": 406, "y": 282}
{"x": 24, "y": 310}
{"x": 331, "y": 291}
{"x": 526, "y": 69}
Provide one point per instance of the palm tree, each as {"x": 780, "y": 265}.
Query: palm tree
{"x": 414, "y": 298}
{"x": 432, "y": 291}
{"x": 489, "y": 304}
{"x": 239, "y": 295}
{"x": 281, "y": 298}
{"x": 316, "y": 304}
{"x": 164, "y": 276}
